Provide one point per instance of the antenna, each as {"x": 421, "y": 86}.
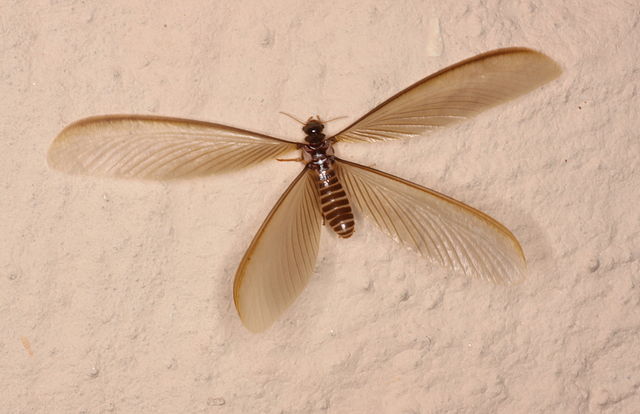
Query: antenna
{"x": 334, "y": 119}
{"x": 292, "y": 117}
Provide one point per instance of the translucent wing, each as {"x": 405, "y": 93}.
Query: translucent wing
{"x": 281, "y": 257}
{"x": 151, "y": 147}
{"x": 454, "y": 93}
{"x": 443, "y": 230}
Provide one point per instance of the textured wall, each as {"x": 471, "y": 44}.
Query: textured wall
{"x": 115, "y": 296}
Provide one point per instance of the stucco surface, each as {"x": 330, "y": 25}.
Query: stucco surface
{"x": 115, "y": 296}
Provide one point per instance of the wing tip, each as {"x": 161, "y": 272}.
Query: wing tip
{"x": 516, "y": 277}
{"x": 257, "y": 323}
{"x": 55, "y": 154}
{"x": 59, "y": 154}
{"x": 546, "y": 68}
{"x": 253, "y": 325}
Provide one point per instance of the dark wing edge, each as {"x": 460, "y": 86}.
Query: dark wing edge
{"x": 154, "y": 147}
{"x": 443, "y": 230}
{"x": 455, "y": 93}
{"x": 280, "y": 260}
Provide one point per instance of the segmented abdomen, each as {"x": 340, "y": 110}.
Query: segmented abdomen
{"x": 334, "y": 203}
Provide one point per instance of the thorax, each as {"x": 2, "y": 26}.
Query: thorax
{"x": 318, "y": 154}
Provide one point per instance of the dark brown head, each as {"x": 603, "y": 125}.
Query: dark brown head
{"x": 313, "y": 129}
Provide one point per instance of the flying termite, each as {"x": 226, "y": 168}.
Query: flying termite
{"x": 282, "y": 255}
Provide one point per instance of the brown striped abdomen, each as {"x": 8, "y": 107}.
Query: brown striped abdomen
{"x": 334, "y": 203}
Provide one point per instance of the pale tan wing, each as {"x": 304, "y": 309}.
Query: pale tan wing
{"x": 151, "y": 147}
{"x": 281, "y": 257}
{"x": 453, "y": 94}
{"x": 443, "y": 230}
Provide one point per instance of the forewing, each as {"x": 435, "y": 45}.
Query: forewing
{"x": 443, "y": 230}
{"x": 453, "y": 94}
{"x": 150, "y": 147}
{"x": 281, "y": 257}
